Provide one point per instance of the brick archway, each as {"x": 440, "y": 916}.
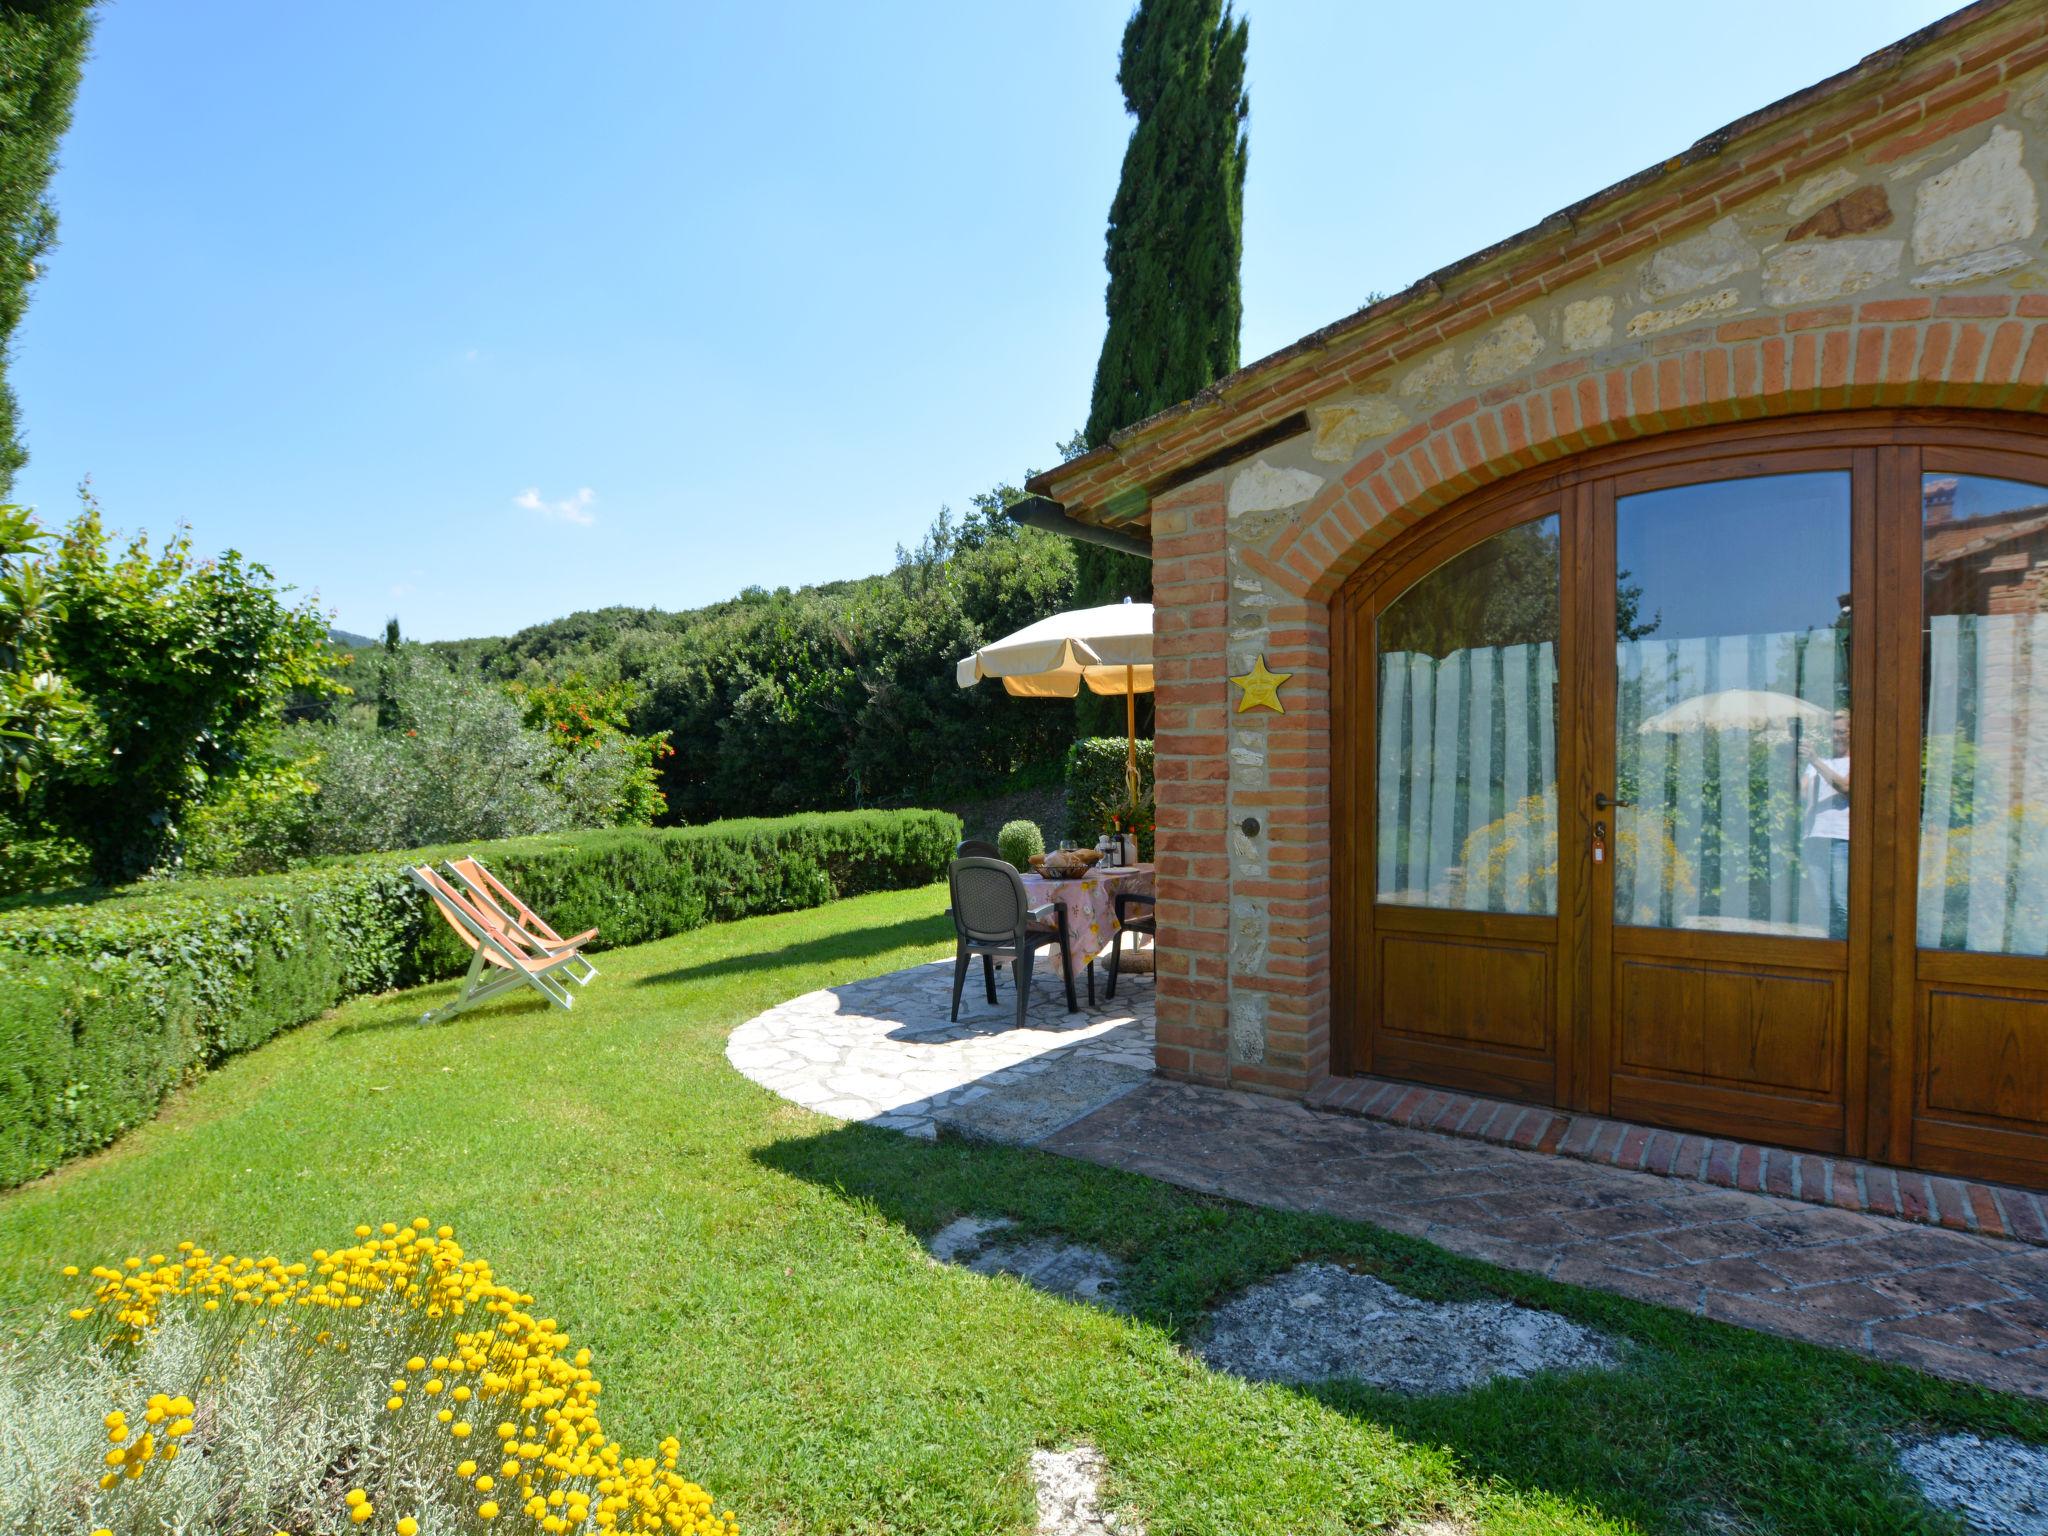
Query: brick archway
{"x": 1986, "y": 352}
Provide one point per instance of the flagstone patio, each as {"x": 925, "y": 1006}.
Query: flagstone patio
{"x": 884, "y": 1051}
{"x": 1961, "y": 1304}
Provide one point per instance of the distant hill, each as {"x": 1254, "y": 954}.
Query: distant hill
{"x": 348, "y": 640}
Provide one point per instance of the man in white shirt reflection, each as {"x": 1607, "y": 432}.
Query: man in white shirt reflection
{"x": 1824, "y": 789}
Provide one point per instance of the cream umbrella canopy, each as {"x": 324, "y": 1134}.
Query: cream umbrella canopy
{"x": 1739, "y": 709}
{"x": 1108, "y": 649}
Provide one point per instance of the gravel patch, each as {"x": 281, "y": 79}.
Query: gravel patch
{"x": 1321, "y": 1322}
{"x": 990, "y": 1246}
{"x": 1069, "y": 1486}
{"x": 1998, "y": 1486}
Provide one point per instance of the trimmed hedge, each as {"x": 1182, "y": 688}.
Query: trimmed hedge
{"x": 105, "y": 1007}
{"x": 85, "y": 1052}
{"x": 1095, "y": 774}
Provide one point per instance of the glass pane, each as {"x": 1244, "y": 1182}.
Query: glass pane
{"x": 1984, "y": 753}
{"x": 1468, "y": 730}
{"x": 1731, "y": 711}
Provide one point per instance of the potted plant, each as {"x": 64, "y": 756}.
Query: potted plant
{"x": 1124, "y": 816}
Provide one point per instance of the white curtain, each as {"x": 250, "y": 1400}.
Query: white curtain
{"x": 1467, "y": 753}
{"x": 1716, "y": 836}
{"x": 1984, "y": 793}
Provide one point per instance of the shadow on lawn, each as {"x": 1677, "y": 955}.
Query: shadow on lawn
{"x": 402, "y": 1010}
{"x": 1705, "y": 1428}
{"x": 858, "y": 944}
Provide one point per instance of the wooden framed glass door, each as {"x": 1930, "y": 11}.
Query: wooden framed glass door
{"x": 1703, "y": 782}
{"x": 1470, "y": 736}
{"x": 1964, "y": 1084}
{"x": 1721, "y": 834}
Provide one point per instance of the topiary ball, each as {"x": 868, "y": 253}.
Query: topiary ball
{"x": 1018, "y": 841}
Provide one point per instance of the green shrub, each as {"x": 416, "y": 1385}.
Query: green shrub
{"x": 30, "y": 862}
{"x": 1018, "y": 841}
{"x": 105, "y": 1006}
{"x": 1095, "y": 781}
{"x": 85, "y": 1052}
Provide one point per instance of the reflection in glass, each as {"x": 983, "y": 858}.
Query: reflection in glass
{"x": 1467, "y": 737}
{"x": 1984, "y": 776}
{"x": 1731, "y": 706}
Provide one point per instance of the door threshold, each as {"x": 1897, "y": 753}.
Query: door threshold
{"x": 1935, "y": 1200}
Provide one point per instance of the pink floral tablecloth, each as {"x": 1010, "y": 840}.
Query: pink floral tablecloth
{"x": 1091, "y": 906}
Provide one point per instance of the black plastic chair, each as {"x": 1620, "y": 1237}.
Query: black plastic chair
{"x": 993, "y": 918}
{"x": 977, "y": 848}
{"x": 1149, "y": 923}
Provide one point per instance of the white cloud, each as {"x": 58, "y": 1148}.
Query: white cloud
{"x": 574, "y": 509}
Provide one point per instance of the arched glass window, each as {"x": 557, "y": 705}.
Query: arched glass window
{"x": 1467, "y": 736}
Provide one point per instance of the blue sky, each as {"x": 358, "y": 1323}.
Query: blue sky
{"x": 483, "y": 313}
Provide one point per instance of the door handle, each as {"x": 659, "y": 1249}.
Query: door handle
{"x": 1601, "y": 802}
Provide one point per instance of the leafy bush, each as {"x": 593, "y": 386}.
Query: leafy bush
{"x": 442, "y": 757}
{"x": 184, "y": 666}
{"x": 1096, "y": 785}
{"x": 462, "y": 764}
{"x": 1018, "y": 841}
{"x": 32, "y": 862}
{"x": 394, "y": 1380}
{"x": 605, "y": 765}
{"x": 830, "y": 696}
{"x": 165, "y": 980}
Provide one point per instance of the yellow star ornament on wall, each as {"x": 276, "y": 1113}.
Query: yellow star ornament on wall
{"x": 1261, "y": 688}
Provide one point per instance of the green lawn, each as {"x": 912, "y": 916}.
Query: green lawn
{"x": 749, "y": 1276}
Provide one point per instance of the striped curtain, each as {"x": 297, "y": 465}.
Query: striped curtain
{"x": 1715, "y": 834}
{"x": 1467, "y": 748}
{"x": 1984, "y": 789}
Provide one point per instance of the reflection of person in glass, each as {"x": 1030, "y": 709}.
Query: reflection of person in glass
{"x": 1824, "y": 791}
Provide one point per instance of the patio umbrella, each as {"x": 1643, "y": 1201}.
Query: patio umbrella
{"x": 1738, "y": 709}
{"x": 1108, "y": 649}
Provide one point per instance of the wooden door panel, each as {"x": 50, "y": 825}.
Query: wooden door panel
{"x": 1986, "y": 1057}
{"x": 1471, "y": 992}
{"x": 1731, "y": 1022}
{"x": 1980, "y": 1151}
{"x": 1789, "y": 1120}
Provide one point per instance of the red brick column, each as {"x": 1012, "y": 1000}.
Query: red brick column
{"x": 1294, "y": 812}
{"x": 1189, "y": 591}
{"x": 1281, "y": 875}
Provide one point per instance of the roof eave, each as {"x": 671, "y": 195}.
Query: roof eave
{"x": 1127, "y": 444}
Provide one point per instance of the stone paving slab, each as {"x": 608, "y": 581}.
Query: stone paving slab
{"x": 883, "y": 1051}
{"x": 1959, "y": 1304}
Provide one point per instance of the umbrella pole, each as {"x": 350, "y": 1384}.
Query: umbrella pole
{"x": 1131, "y": 732}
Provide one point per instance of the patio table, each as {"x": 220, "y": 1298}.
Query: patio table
{"x": 1090, "y": 901}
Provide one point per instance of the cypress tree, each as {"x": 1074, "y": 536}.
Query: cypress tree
{"x": 387, "y": 677}
{"x": 1176, "y": 239}
{"x": 42, "y": 49}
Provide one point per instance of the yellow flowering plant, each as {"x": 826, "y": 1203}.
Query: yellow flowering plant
{"x": 391, "y": 1385}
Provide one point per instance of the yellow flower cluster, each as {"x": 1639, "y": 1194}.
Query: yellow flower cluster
{"x": 168, "y": 1417}
{"x": 512, "y": 1402}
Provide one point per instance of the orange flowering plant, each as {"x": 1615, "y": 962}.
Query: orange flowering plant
{"x": 393, "y": 1385}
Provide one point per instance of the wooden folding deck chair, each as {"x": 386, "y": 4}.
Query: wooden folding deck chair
{"x": 494, "y": 899}
{"x": 498, "y": 961}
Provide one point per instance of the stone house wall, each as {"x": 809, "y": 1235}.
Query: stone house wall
{"x": 1878, "y": 242}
